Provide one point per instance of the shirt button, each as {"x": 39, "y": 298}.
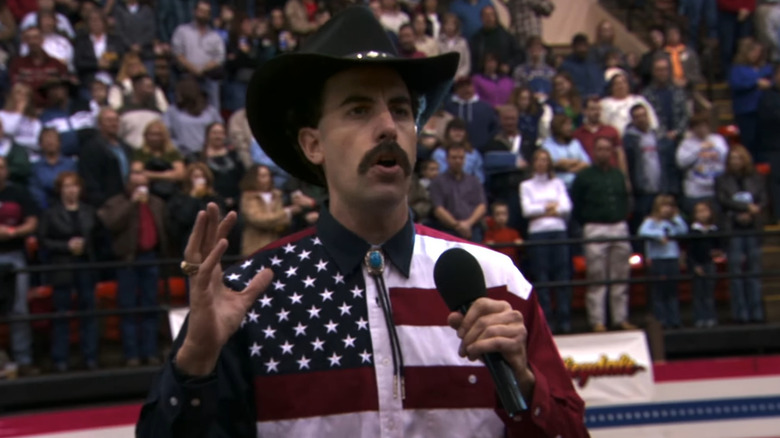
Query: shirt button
{"x": 195, "y": 402}
{"x": 385, "y": 361}
{"x": 537, "y": 411}
{"x": 472, "y": 379}
{"x": 174, "y": 401}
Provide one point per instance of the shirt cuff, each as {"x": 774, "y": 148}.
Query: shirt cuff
{"x": 538, "y": 411}
{"x": 186, "y": 399}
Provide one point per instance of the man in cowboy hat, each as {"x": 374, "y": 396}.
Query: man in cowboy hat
{"x": 338, "y": 330}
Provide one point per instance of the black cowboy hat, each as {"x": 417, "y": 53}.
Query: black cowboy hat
{"x": 279, "y": 88}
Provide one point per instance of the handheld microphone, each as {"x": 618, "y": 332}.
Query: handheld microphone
{"x": 460, "y": 281}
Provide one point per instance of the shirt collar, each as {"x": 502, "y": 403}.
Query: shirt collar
{"x": 348, "y": 249}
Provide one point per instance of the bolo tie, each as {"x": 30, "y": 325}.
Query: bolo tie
{"x": 375, "y": 264}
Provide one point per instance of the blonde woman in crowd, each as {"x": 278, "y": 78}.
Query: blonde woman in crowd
{"x": 132, "y": 66}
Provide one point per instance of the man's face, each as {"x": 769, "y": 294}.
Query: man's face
{"x": 366, "y": 139}
{"x": 99, "y": 91}
{"x": 602, "y": 152}
{"x": 581, "y": 50}
{"x": 50, "y": 143}
{"x": 456, "y": 159}
{"x": 606, "y": 32}
{"x": 593, "y": 112}
{"x": 465, "y": 90}
{"x": 406, "y": 39}
{"x": 57, "y": 94}
{"x": 145, "y": 89}
{"x": 640, "y": 119}
{"x": 508, "y": 120}
{"x": 661, "y": 71}
{"x": 489, "y": 18}
{"x": 431, "y": 170}
{"x": 536, "y": 51}
{"x": 202, "y": 13}
{"x": 501, "y": 215}
{"x": 48, "y": 24}
{"x": 109, "y": 123}
{"x": 96, "y": 24}
{"x": 34, "y": 39}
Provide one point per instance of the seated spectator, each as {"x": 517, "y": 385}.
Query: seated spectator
{"x": 457, "y": 134}
{"x": 742, "y": 196}
{"x": 190, "y": 116}
{"x": 535, "y": 73}
{"x": 663, "y": 258}
{"x": 97, "y": 51}
{"x": 491, "y": 85}
{"x": 686, "y": 72}
{"x": 701, "y": 157}
{"x": 391, "y": 16}
{"x": 587, "y": 73}
{"x": 407, "y": 44}
{"x": 568, "y": 156}
{"x": 529, "y": 113}
{"x": 98, "y": 93}
{"x": 769, "y": 136}
{"x": 54, "y": 44}
{"x": 223, "y": 163}
{"x": 422, "y": 41}
{"x": 37, "y": 68}
{"x": 17, "y": 164}
{"x": 132, "y": 66}
{"x": 605, "y": 44}
{"x": 669, "y": 101}
{"x": 500, "y": 233}
{"x": 138, "y": 112}
{"x": 546, "y": 205}
{"x": 656, "y": 50}
{"x": 493, "y": 38}
{"x": 183, "y": 207}
{"x": 305, "y": 200}
{"x": 480, "y": 117}
{"x": 749, "y": 77}
{"x": 104, "y": 164}
{"x": 30, "y": 20}
{"x": 616, "y": 106}
{"x": 47, "y": 168}
{"x": 458, "y": 198}
{"x": 701, "y": 250}
{"x": 19, "y": 119}
{"x": 564, "y": 100}
{"x": 67, "y": 234}
{"x": 419, "y": 194}
{"x": 593, "y": 127}
{"x": 451, "y": 40}
{"x": 600, "y": 199}
{"x": 262, "y": 210}
{"x": 71, "y": 118}
{"x": 135, "y": 23}
{"x": 470, "y": 15}
{"x": 163, "y": 163}
{"x": 240, "y": 136}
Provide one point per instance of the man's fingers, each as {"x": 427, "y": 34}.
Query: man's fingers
{"x": 210, "y": 233}
{"x": 455, "y": 319}
{"x": 257, "y": 285}
{"x": 481, "y": 307}
{"x": 486, "y": 322}
{"x": 212, "y": 260}
{"x": 226, "y": 225}
{"x": 192, "y": 250}
{"x": 506, "y": 346}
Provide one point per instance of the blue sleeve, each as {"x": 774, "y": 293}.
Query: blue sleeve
{"x": 652, "y": 229}
{"x": 479, "y": 170}
{"x": 440, "y": 156}
{"x": 743, "y": 78}
{"x": 583, "y": 156}
{"x": 679, "y": 226}
{"x": 36, "y": 189}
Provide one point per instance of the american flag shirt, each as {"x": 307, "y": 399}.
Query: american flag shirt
{"x": 313, "y": 356}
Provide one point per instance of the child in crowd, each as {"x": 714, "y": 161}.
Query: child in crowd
{"x": 701, "y": 251}
{"x": 663, "y": 255}
{"x": 500, "y": 233}
{"x": 419, "y": 197}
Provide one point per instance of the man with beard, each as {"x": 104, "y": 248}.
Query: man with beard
{"x": 406, "y": 47}
{"x": 138, "y": 111}
{"x": 338, "y": 330}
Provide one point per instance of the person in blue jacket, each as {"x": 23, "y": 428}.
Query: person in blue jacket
{"x": 749, "y": 77}
{"x": 587, "y": 73}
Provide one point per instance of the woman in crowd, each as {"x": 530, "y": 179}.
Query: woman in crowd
{"x": 742, "y": 196}
{"x": 423, "y": 42}
{"x": 91, "y": 58}
{"x": 491, "y": 85}
{"x": 262, "y": 210}
{"x": 616, "y": 107}
{"x": 183, "y": 208}
{"x": 546, "y": 205}
{"x": 456, "y": 134}
{"x": 189, "y": 118}
{"x": 564, "y": 100}
{"x": 701, "y": 157}
{"x": 529, "y": 115}
{"x": 431, "y": 11}
{"x": 224, "y": 163}
{"x": 164, "y": 163}
{"x": 451, "y": 40}
{"x": 749, "y": 76}
{"x": 567, "y": 154}
{"x": 19, "y": 119}
{"x": 132, "y": 66}
{"x": 66, "y": 234}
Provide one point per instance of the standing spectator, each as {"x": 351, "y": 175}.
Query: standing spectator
{"x": 734, "y": 23}
{"x": 451, "y": 40}
{"x": 656, "y": 50}
{"x": 407, "y": 43}
{"x": 138, "y": 111}
{"x": 281, "y": 38}
{"x": 702, "y": 158}
{"x": 163, "y": 163}
{"x": 586, "y": 72}
{"x": 564, "y": 100}
{"x": 132, "y": 66}
{"x": 616, "y": 106}
{"x": 568, "y": 156}
{"x": 493, "y": 38}
{"x": 749, "y": 77}
{"x": 105, "y": 161}
{"x": 605, "y": 44}
{"x": 419, "y": 195}
{"x": 767, "y": 22}
{"x": 535, "y": 73}
{"x": 306, "y": 199}
{"x": 480, "y": 117}
{"x": 302, "y": 16}
{"x": 469, "y": 13}
{"x": 509, "y": 139}
{"x": 224, "y": 163}
{"x": 197, "y": 193}
{"x": 136, "y": 220}
{"x": 491, "y": 85}
{"x": 668, "y": 101}
{"x": 54, "y": 44}
{"x": 391, "y": 16}
{"x": 47, "y": 168}
{"x": 546, "y": 205}
{"x": 686, "y": 71}
{"x": 526, "y": 18}
{"x": 697, "y": 11}
{"x": 458, "y": 198}
{"x": 433, "y": 14}
{"x": 97, "y": 51}
{"x": 424, "y": 42}
{"x": 262, "y": 209}
{"x": 16, "y": 160}
{"x": 18, "y": 219}
{"x": 9, "y": 31}
{"x": 701, "y": 250}
{"x": 456, "y": 134}
{"x": 529, "y": 113}
{"x": 30, "y": 19}
{"x": 594, "y": 127}
{"x": 663, "y": 258}
{"x": 38, "y": 67}
{"x": 190, "y": 116}
{"x": 742, "y": 196}
{"x": 136, "y": 26}
{"x": 200, "y": 51}
{"x": 500, "y": 233}
{"x": 67, "y": 234}
{"x": 240, "y": 136}
{"x": 72, "y": 118}
{"x": 600, "y": 203}
{"x": 245, "y": 51}
{"x": 19, "y": 118}
{"x": 769, "y": 136}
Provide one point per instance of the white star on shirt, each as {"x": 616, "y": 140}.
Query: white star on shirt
{"x": 326, "y": 295}
{"x": 335, "y": 359}
{"x": 316, "y": 241}
{"x": 304, "y": 255}
{"x": 271, "y": 366}
{"x": 246, "y": 264}
{"x": 362, "y": 324}
{"x": 243, "y": 322}
{"x": 265, "y": 301}
{"x": 300, "y": 329}
{"x": 318, "y": 344}
{"x": 308, "y": 282}
{"x": 270, "y": 333}
{"x": 254, "y": 349}
{"x": 314, "y": 312}
{"x": 349, "y": 341}
{"x": 303, "y": 362}
{"x": 291, "y": 271}
{"x": 278, "y": 285}
{"x": 286, "y": 348}
{"x": 345, "y": 309}
{"x": 365, "y": 356}
{"x": 338, "y": 278}
{"x": 259, "y": 270}
{"x": 233, "y": 277}
{"x": 322, "y": 265}
{"x": 276, "y": 261}
{"x": 252, "y": 316}
{"x": 283, "y": 315}
{"x": 357, "y": 292}
{"x": 331, "y": 326}
{"x": 296, "y": 298}
{"x": 289, "y": 248}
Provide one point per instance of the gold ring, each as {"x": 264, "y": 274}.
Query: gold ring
{"x": 189, "y": 269}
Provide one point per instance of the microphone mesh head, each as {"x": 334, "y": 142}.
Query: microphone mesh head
{"x": 459, "y": 278}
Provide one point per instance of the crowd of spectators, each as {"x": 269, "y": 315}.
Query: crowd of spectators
{"x": 122, "y": 118}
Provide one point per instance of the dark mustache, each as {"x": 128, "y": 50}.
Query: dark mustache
{"x": 386, "y": 147}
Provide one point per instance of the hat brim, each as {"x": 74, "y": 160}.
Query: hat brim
{"x": 283, "y": 84}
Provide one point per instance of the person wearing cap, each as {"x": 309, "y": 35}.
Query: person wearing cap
{"x": 338, "y": 330}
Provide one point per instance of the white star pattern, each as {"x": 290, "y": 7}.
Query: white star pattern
{"x": 322, "y": 265}
{"x": 303, "y": 362}
{"x": 335, "y": 359}
{"x": 278, "y": 285}
{"x": 314, "y": 312}
{"x": 246, "y": 264}
{"x": 316, "y": 241}
{"x": 300, "y": 329}
{"x": 304, "y": 255}
{"x": 331, "y": 326}
{"x": 338, "y": 278}
{"x": 357, "y": 292}
{"x": 259, "y": 270}
{"x": 365, "y": 356}
{"x": 289, "y": 248}
{"x": 286, "y": 348}
{"x": 308, "y": 282}
{"x": 326, "y": 295}
{"x": 271, "y": 365}
{"x": 296, "y": 298}
{"x": 276, "y": 261}
{"x": 254, "y": 349}
{"x": 349, "y": 341}
{"x": 270, "y": 332}
{"x": 233, "y": 277}
{"x": 362, "y": 324}
{"x": 283, "y": 315}
{"x": 345, "y": 309}
{"x": 265, "y": 301}
{"x": 252, "y": 316}
{"x": 318, "y": 345}
{"x": 291, "y": 271}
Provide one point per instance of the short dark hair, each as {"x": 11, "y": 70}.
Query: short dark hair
{"x": 405, "y": 26}
{"x": 699, "y": 119}
{"x": 456, "y": 146}
{"x": 135, "y": 80}
{"x": 609, "y": 140}
{"x": 497, "y": 204}
{"x": 579, "y": 38}
{"x": 636, "y": 107}
{"x": 48, "y": 130}
{"x": 592, "y": 99}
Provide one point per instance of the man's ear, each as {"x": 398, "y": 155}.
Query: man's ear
{"x": 309, "y": 141}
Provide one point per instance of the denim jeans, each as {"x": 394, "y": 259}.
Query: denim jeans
{"x": 21, "y": 335}
{"x": 731, "y": 30}
{"x": 744, "y": 255}
{"x": 665, "y": 297}
{"x": 704, "y": 295}
{"x": 552, "y": 263}
{"x": 695, "y": 11}
{"x": 138, "y": 288}
{"x": 84, "y": 284}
